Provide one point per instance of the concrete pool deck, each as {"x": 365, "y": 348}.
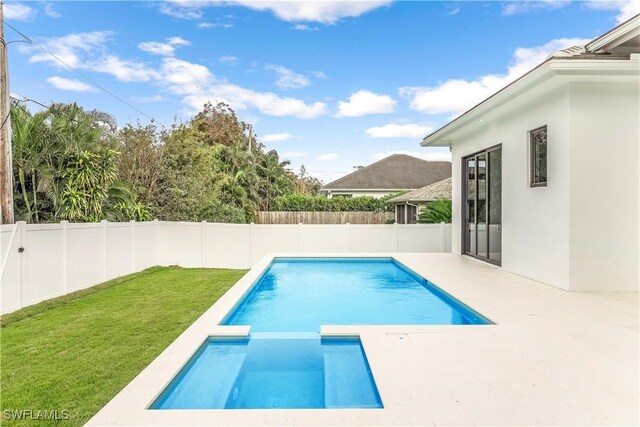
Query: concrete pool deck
{"x": 552, "y": 358}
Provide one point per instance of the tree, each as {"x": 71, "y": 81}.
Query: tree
{"x": 305, "y": 184}
{"x": 139, "y": 161}
{"x": 436, "y": 212}
{"x": 65, "y": 166}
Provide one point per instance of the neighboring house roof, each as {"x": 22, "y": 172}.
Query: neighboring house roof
{"x": 611, "y": 53}
{"x": 436, "y": 191}
{"x": 396, "y": 172}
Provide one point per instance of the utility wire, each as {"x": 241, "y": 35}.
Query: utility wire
{"x": 102, "y": 88}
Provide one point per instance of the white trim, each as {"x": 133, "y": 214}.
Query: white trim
{"x": 617, "y": 36}
{"x": 571, "y": 69}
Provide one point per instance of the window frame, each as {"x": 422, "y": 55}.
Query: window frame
{"x": 532, "y": 158}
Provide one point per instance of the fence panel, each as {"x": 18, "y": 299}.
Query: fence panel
{"x": 85, "y": 255}
{"x": 228, "y": 245}
{"x": 62, "y": 258}
{"x": 371, "y": 238}
{"x": 119, "y": 249}
{"x": 180, "y": 243}
{"x": 43, "y": 247}
{"x": 273, "y": 238}
{"x": 323, "y": 238}
{"x": 145, "y": 243}
{"x": 10, "y": 289}
{"x": 421, "y": 238}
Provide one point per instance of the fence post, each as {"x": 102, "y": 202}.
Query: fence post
{"x": 65, "y": 254}
{"x": 251, "y": 242}
{"x": 157, "y": 243}
{"x": 203, "y": 243}
{"x": 132, "y": 223}
{"x": 347, "y": 233}
{"x": 443, "y": 237}
{"x": 104, "y": 249}
{"x": 395, "y": 237}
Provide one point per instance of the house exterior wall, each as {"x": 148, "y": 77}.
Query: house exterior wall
{"x": 535, "y": 228}
{"x": 580, "y": 232}
{"x": 604, "y": 198}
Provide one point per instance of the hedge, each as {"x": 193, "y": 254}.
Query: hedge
{"x": 305, "y": 203}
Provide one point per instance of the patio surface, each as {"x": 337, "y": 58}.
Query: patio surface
{"x": 553, "y": 358}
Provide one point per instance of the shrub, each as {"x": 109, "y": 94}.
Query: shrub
{"x": 300, "y": 202}
{"x": 436, "y": 212}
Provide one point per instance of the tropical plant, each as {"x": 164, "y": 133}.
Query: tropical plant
{"x": 65, "y": 164}
{"x": 436, "y": 212}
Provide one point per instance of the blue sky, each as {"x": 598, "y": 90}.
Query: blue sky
{"x": 328, "y": 84}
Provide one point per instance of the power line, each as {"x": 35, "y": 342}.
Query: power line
{"x": 102, "y": 88}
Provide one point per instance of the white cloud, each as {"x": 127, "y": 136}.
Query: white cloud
{"x": 193, "y": 82}
{"x": 178, "y": 41}
{"x": 229, "y": 59}
{"x": 453, "y": 11}
{"x": 175, "y": 10}
{"x": 164, "y": 49}
{"x": 517, "y": 7}
{"x": 363, "y": 102}
{"x": 288, "y": 79}
{"x": 123, "y": 70}
{"x": 626, "y": 8}
{"x": 399, "y": 131}
{"x": 425, "y": 155}
{"x": 266, "y": 102}
{"x": 147, "y": 99}
{"x": 275, "y": 137}
{"x": 207, "y": 25}
{"x": 51, "y": 12}
{"x": 318, "y": 74}
{"x": 327, "y": 157}
{"x": 457, "y": 95}
{"x": 18, "y": 12}
{"x": 69, "y": 84}
{"x": 304, "y": 27}
{"x": 293, "y": 155}
{"x": 325, "y": 12}
{"x": 68, "y": 48}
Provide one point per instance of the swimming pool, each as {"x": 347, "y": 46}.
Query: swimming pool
{"x": 285, "y": 363}
{"x": 272, "y": 372}
{"x": 300, "y": 294}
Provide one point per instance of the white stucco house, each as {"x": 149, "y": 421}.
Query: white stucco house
{"x": 550, "y": 166}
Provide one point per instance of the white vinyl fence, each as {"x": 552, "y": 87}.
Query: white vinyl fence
{"x": 42, "y": 261}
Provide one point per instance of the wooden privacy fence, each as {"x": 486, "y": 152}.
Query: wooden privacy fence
{"x": 273, "y": 217}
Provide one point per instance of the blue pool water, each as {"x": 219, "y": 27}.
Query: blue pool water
{"x": 303, "y": 293}
{"x": 285, "y": 363}
{"x": 274, "y": 372}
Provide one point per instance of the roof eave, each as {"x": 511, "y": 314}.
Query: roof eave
{"x": 623, "y": 32}
{"x": 543, "y": 72}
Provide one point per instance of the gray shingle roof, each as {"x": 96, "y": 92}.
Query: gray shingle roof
{"x": 437, "y": 190}
{"x": 396, "y": 172}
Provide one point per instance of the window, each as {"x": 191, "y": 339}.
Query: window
{"x": 400, "y": 211}
{"x": 412, "y": 210}
{"x": 538, "y": 157}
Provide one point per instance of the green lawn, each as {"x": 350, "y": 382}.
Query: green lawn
{"x": 76, "y": 352}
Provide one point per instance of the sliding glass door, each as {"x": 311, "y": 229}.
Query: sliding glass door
{"x": 482, "y": 210}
